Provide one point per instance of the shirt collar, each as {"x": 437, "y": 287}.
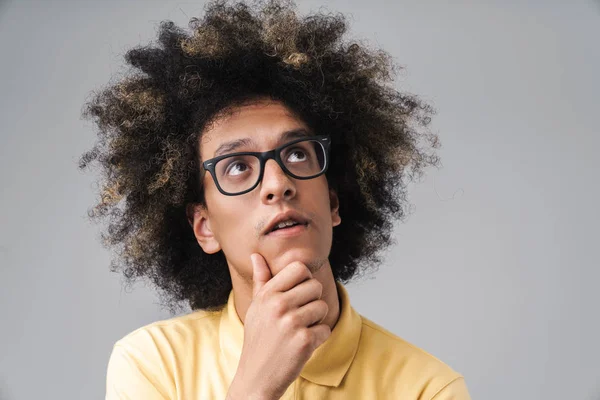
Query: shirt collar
{"x": 329, "y": 362}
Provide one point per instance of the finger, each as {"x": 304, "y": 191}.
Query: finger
{"x": 320, "y": 333}
{"x": 304, "y": 293}
{"x": 290, "y": 276}
{"x": 261, "y": 274}
{"x": 312, "y": 313}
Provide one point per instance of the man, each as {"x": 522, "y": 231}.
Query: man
{"x": 235, "y": 154}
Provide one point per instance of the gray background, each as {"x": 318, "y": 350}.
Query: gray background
{"x": 495, "y": 272}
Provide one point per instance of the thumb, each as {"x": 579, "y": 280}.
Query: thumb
{"x": 261, "y": 274}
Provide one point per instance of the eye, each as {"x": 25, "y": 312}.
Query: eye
{"x": 296, "y": 155}
{"x": 236, "y": 168}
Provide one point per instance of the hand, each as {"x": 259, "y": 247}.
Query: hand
{"x": 282, "y": 329}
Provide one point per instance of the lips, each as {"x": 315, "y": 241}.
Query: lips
{"x": 285, "y": 225}
{"x": 289, "y": 215}
{"x": 289, "y": 232}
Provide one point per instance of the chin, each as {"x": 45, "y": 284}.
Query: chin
{"x": 307, "y": 256}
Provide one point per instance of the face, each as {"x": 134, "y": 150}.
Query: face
{"x": 236, "y": 224}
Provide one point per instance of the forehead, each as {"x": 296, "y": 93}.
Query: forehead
{"x": 263, "y": 122}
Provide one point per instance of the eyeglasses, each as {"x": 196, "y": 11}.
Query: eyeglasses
{"x": 239, "y": 173}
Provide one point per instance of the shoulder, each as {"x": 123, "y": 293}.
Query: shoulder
{"x": 142, "y": 363}
{"x": 410, "y": 370}
{"x": 380, "y": 339}
{"x": 172, "y": 331}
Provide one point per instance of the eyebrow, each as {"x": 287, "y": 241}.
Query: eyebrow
{"x": 227, "y": 147}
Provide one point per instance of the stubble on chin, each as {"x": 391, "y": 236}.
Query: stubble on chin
{"x": 315, "y": 265}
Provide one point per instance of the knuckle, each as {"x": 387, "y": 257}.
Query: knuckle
{"x": 279, "y": 306}
{"x": 305, "y": 339}
{"x": 291, "y": 320}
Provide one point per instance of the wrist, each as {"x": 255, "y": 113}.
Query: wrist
{"x": 239, "y": 391}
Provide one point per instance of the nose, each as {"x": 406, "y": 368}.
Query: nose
{"x": 276, "y": 185}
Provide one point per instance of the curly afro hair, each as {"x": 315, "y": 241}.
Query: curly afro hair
{"x": 149, "y": 122}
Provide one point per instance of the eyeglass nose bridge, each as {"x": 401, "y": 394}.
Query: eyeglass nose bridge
{"x": 265, "y": 156}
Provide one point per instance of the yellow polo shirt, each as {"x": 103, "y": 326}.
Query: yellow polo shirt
{"x": 195, "y": 356}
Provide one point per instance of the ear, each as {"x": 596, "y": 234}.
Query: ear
{"x": 334, "y": 202}
{"x": 199, "y": 220}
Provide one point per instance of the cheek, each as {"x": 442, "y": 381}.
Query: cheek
{"x": 237, "y": 239}
{"x": 324, "y": 202}
{"x": 234, "y": 229}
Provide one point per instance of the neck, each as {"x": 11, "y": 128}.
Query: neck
{"x": 242, "y": 291}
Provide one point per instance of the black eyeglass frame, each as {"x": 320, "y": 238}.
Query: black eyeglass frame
{"x": 324, "y": 140}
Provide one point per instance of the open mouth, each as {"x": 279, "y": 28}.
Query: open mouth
{"x": 287, "y": 223}
{"x": 288, "y": 227}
